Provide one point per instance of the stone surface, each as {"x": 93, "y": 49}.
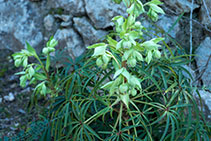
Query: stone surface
{"x": 49, "y": 22}
{"x": 202, "y": 55}
{"x": 203, "y": 13}
{"x": 68, "y": 39}
{"x": 102, "y": 11}
{"x": 193, "y": 74}
{"x": 75, "y": 7}
{"x": 206, "y": 101}
{"x": 36, "y": 0}
{"x": 9, "y": 97}
{"x": 165, "y": 23}
{"x": 180, "y": 6}
{"x": 87, "y": 31}
{"x": 66, "y": 20}
{"x": 21, "y": 111}
{"x": 20, "y": 21}
{"x": 183, "y": 36}
{"x": 66, "y": 24}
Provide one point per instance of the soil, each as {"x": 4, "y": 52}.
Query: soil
{"x": 14, "y": 115}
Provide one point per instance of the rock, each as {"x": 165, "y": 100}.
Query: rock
{"x": 180, "y": 6}
{"x": 13, "y": 77}
{"x": 183, "y": 36}
{"x": 87, "y": 31}
{"x": 206, "y": 101}
{"x": 202, "y": 55}
{"x": 49, "y": 22}
{"x": 20, "y": 21}
{"x": 35, "y": 0}
{"x": 74, "y": 7}
{"x": 13, "y": 128}
{"x": 70, "y": 40}
{"x": 203, "y": 13}
{"x": 26, "y": 90}
{"x": 66, "y": 24}
{"x": 192, "y": 73}
{"x": 13, "y": 85}
{"x": 66, "y": 20}
{"x": 1, "y": 100}
{"x": 9, "y": 97}
{"x": 102, "y": 11}
{"x": 17, "y": 124}
{"x": 165, "y": 23}
{"x": 21, "y": 111}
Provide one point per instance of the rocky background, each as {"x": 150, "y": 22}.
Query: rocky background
{"x": 79, "y": 23}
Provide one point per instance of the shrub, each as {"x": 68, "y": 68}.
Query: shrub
{"x": 139, "y": 93}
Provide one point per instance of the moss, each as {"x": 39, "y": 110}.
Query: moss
{"x": 59, "y": 11}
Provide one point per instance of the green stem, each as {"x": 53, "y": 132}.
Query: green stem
{"x": 47, "y": 75}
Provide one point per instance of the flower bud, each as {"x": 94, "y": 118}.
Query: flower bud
{"x": 99, "y": 62}
{"x": 133, "y": 92}
{"x": 123, "y": 88}
{"x": 138, "y": 24}
{"x": 132, "y": 62}
{"x": 157, "y": 53}
{"x": 50, "y": 49}
{"x": 127, "y": 44}
{"x": 45, "y": 50}
{"x": 105, "y": 59}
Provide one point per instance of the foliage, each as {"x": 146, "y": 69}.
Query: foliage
{"x": 139, "y": 94}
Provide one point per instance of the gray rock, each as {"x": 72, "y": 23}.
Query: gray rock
{"x": 206, "y": 101}
{"x": 49, "y": 22}
{"x": 165, "y": 23}
{"x": 180, "y": 6}
{"x": 88, "y": 32}
{"x": 66, "y": 20}
{"x": 192, "y": 73}
{"x": 9, "y": 97}
{"x": 20, "y": 21}
{"x": 66, "y": 24}
{"x": 202, "y": 54}
{"x": 68, "y": 39}
{"x": 75, "y": 7}
{"x": 13, "y": 85}
{"x": 102, "y": 11}
{"x": 35, "y": 0}
{"x": 204, "y": 15}
{"x": 21, "y": 111}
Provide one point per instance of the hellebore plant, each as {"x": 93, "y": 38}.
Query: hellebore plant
{"x": 36, "y": 71}
{"x": 139, "y": 93}
{"x": 131, "y": 50}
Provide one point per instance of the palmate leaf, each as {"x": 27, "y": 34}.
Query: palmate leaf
{"x": 92, "y": 131}
{"x": 166, "y": 128}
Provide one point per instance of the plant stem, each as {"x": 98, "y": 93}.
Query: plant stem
{"x": 47, "y": 75}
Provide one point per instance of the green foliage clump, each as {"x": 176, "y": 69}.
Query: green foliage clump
{"x": 139, "y": 94}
